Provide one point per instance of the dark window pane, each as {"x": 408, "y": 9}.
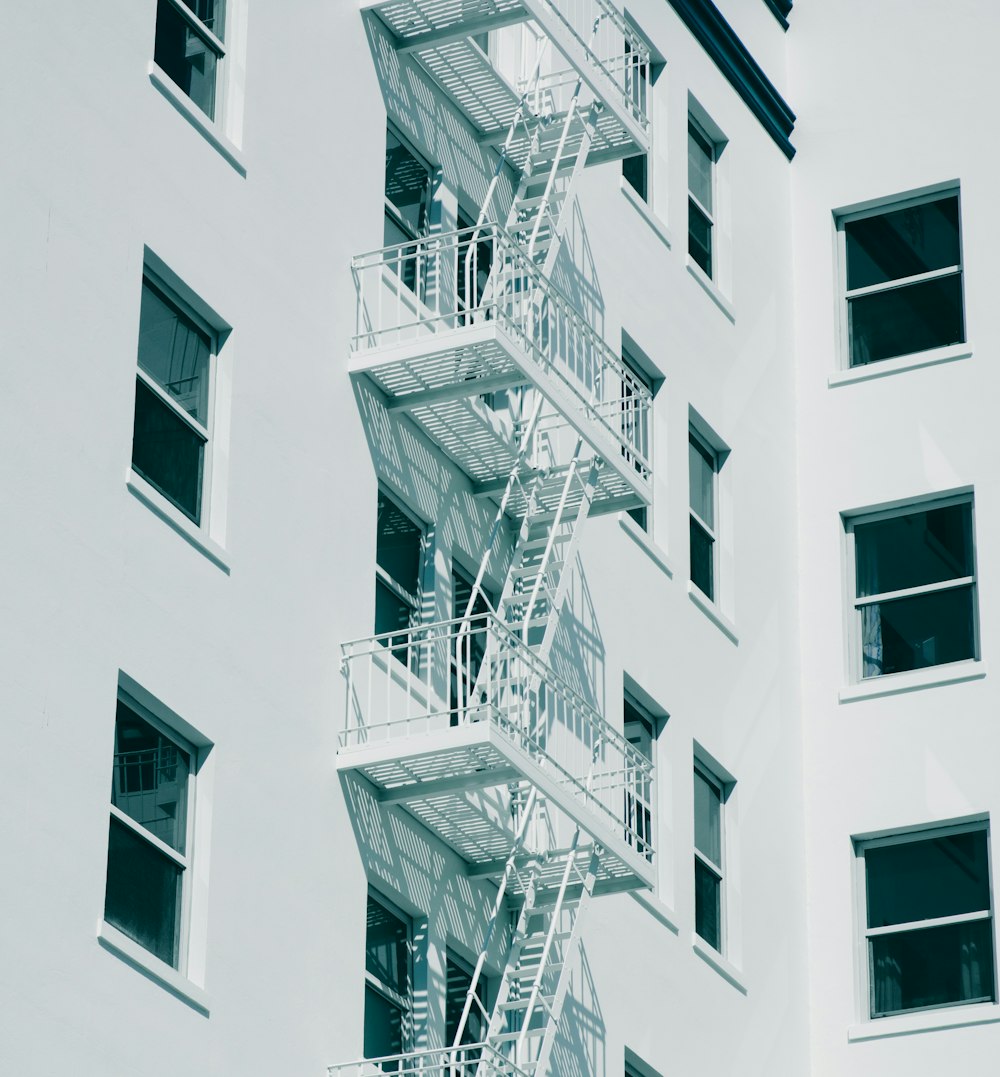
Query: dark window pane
{"x": 702, "y": 560}
{"x": 387, "y": 948}
{"x": 149, "y": 781}
{"x": 383, "y": 1026}
{"x": 142, "y": 896}
{"x": 211, "y": 12}
{"x": 920, "y": 548}
{"x": 407, "y": 185}
{"x": 707, "y": 819}
{"x": 475, "y": 260}
{"x": 902, "y": 243}
{"x": 458, "y": 983}
{"x": 707, "y": 905}
{"x": 911, "y": 633}
{"x": 641, "y": 517}
{"x": 185, "y": 57}
{"x": 635, "y": 170}
{"x": 174, "y": 353}
{"x": 398, "y": 545}
{"x": 922, "y": 880}
{"x": 902, "y": 321}
{"x": 701, "y": 481}
{"x": 933, "y": 967}
{"x": 701, "y": 155}
{"x": 167, "y": 452}
{"x": 700, "y": 238}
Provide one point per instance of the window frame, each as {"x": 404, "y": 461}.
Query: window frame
{"x": 723, "y": 788}
{"x": 880, "y": 208}
{"x": 855, "y": 604}
{"x": 639, "y": 79}
{"x": 634, "y": 365}
{"x": 404, "y": 1003}
{"x": 484, "y": 987}
{"x": 864, "y": 933}
{"x": 206, "y": 431}
{"x": 711, "y": 456}
{"x": 185, "y": 861}
{"x": 391, "y": 210}
{"x": 696, "y": 127}
{"x": 652, "y": 725}
{"x": 215, "y": 44}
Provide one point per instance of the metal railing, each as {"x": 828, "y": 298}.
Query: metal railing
{"x": 432, "y": 677}
{"x": 474, "y": 1060}
{"x": 479, "y": 276}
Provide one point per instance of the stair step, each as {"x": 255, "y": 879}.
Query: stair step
{"x": 508, "y": 1037}
{"x": 522, "y": 1003}
{"x": 538, "y": 938}
{"x": 528, "y": 972}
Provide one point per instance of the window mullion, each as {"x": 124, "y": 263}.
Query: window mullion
{"x": 179, "y": 858}
{"x": 710, "y": 531}
{"x": 213, "y": 42}
{"x": 911, "y": 592}
{"x": 903, "y": 282}
{"x": 158, "y": 389}
{"x": 399, "y": 591}
{"x": 386, "y": 991}
{"x": 710, "y": 864}
{"x": 923, "y": 925}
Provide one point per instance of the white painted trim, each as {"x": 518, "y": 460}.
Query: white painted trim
{"x": 119, "y": 944}
{"x": 711, "y": 289}
{"x": 646, "y": 212}
{"x": 712, "y": 611}
{"x": 198, "y": 120}
{"x": 893, "y": 684}
{"x": 980, "y": 1013}
{"x": 726, "y": 969}
{"x": 657, "y": 908}
{"x": 900, "y": 363}
{"x": 645, "y": 542}
{"x": 170, "y": 514}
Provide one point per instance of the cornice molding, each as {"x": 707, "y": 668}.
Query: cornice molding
{"x": 742, "y": 71}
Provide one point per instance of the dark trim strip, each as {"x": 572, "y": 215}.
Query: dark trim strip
{"x": 731, "y": 57}
{"x": 781, "y": 9}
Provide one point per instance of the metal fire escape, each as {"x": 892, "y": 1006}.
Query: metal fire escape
{"x": 464, "y": 723}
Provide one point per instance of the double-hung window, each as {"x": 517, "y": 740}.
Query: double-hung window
{"x": 189, "y": 47}
{"x": 903, "y": 277}
{"x": 458, "y": 984}
{"x": 915, "y": 587}
{"x": 173, "y": 400}
{"x": 388, "y": 981}
{"x": 928, "y": 919}
{"x": 399, "y": 561}
{"x": 636, "y": 423}
{"x": 635, "y": 169}
{"x": 639, "y": 729}
{"x": 709, "y": 908}
{"x": 150, "y": 837}
{"x": 702, "y": 154}
{"x": 703, "y": 467}
{"x": 469, "y": 648}
{"x": 407, "y": 206}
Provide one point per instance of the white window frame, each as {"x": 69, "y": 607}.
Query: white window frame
{"x": 865, "y": 979}
{"x": 880, "y": 208}
{"x": 855, "y": 642}
{"x": 709, "y": 214}
{"x": 644, "y": 75}
{"x": 215, "y": 44}
{"x": 402, "y": 1002}
{"x": 634, "y": 361}
{"x": 696, "y": 439}
{"x": 186, "y": 966}
{"x": 653, "y": 725}
{"x": 718, "y": 870}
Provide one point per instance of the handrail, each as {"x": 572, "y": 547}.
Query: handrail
{"x": 469, "y": 1060}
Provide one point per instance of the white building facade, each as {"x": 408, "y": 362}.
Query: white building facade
{"x": 493, "y": 529}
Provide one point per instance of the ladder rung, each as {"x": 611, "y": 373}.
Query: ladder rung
{"x": 507, "y": 1037}
{"x": 522, "y": 1003}
{"x": 528, "y": 971}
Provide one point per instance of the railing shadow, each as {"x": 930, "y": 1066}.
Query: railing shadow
{"x": 578, "y": 652}
{"x": 580, "y": 1047}
{"x": 575, "y": 272}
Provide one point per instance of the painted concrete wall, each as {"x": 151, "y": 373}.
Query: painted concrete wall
{"x": 891, "y": 100}
{"x": 96, "y": 583}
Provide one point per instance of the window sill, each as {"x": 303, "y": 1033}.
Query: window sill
{"x": 906, "y": 1024}
{"x": 644, "y": 542}
{"x": 657, "y": 909}
{"x": 154, "y": 500}
{"x": 711, "y": 289}
{"x": 645, "y": 211}
{"x": 897, "y": 683}
{"x": 899, "y": 364}
{"x": 119, "y": 944}
{"x": 715, "y": 960}
{"x": 198, "y": 120}
{"x": 712, "y": 612}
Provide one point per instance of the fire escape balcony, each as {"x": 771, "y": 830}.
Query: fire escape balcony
{"x": 446, "y": 321}
{"x": 593, "y": 42}
{"x": 472, "y": 1060}
{"x": 453, "y": 721}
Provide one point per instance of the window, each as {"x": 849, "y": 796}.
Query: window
{"x": 703, "y": 466}
{"x": 467, "y": 659}
{"x": 189, "y": 47}
{"x": 915, "y": 587}
{"x": 407, "y": 205}
{"x": 388, "y": 981}
{"x": 639, "y": 729}
{"x": 928, "y": 928}
{"x": 702, "y": 155}
{"x": 149, "y": 841}
{"x": 173, "y": 399}
{"x": 458, "y": 983}
{"x": 639, "y": 77}
{"x": 903, "y": 277}
{"x": 708, "y": 857}
{"x": 636, "y": 424}
{"x": 399, "y": 561}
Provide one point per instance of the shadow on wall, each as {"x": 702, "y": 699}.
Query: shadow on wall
{"x": 575, "y": 273}
{"x": 578, "y": 653}
{"x": 580, "y": 1048}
